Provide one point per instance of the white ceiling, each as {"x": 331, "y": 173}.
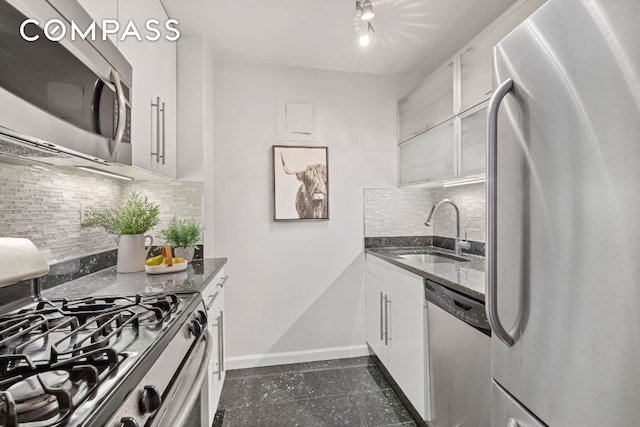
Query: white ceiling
{"x": 412, "y": 36}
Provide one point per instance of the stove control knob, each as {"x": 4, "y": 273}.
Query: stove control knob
{"x": 150, "y": 400}
{"x": 195, "y": 328}
{"x": 128, "y": 422}
{"x": 202, "y": 317}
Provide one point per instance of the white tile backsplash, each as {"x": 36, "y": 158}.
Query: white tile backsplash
{"x": 392, "y": 212}
{"x": 180, "y": 199}
{"x": 44, "y": 206}
{"x": 395, "y": 212}
{"x": 471, "y": 202}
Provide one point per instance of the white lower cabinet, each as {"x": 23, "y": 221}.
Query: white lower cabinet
{"x": 406, "y": 360}
{"x": 375, "y": 296}
{"x": 396, "y": 328}
{"x": 213, "y": 297}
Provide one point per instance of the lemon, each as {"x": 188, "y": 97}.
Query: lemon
{"x": 156, "y": 260}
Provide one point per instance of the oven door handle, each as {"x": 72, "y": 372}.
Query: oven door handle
{"x": 193, "y": 391}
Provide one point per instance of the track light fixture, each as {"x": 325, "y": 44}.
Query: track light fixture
{"x": 365, "y": 38}
{"x": 365, "y": 9}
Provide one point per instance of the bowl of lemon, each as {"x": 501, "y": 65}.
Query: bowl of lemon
{"x": 165, "y": 263}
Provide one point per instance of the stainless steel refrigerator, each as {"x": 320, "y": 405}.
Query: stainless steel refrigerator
{"x": 563, "y": 242}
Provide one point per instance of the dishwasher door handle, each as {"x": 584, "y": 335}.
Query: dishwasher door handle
{"x": 381, "y": 316}
{"x": 387, "y": 305}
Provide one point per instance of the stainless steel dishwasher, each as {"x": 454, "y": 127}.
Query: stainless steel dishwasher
{"x": 459, "y": 349}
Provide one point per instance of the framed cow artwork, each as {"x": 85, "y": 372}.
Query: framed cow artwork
{"x": 300, "y": 183}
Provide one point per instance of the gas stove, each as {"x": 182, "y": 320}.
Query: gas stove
{"x": 91, "y": 361}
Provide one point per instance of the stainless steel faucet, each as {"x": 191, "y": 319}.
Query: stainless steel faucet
{"x": 459, "y": 243}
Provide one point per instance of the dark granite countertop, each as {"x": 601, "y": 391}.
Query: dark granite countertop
{"x": 464, "y": 277}
{"x": 107, "y": 282}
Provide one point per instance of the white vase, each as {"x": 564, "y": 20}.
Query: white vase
{"x": 132, "y": 252}
{"x": 186, "y": 253}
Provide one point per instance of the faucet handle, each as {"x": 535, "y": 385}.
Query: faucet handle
{"x": 463, "y": 243}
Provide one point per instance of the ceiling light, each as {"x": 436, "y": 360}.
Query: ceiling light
{"x": 366, "y": 10}
{"x": 101, "y": 172}
{"x": 365, "y": 39}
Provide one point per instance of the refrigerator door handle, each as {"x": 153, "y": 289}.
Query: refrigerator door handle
{"x": 492, "y": 201}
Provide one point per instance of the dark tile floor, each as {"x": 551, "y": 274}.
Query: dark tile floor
{"x": 343, "y": 392}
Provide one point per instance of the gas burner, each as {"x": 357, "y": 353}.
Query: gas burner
{"x": 58, "y": 352}
{"x": 32, "y": 402}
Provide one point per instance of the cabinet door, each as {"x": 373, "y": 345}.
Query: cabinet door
{"x": 376, "y": 291}
{"x": 429, "y": 156}
{"x": 473, "y": 141}
{"x": 476, "y": 62}
{"x": 217, "y": 370}
{"x": 429, "y": 105}
{"x": 142, "y": 56}
{"x": 407, "y": 352}
{"x": 102, "y": 9}
{"x": 165, "y": 60}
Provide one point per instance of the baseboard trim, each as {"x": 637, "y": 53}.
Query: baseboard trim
{"x": 252, "y": 361}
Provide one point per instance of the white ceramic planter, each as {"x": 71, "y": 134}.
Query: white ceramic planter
{"x": 186, "y": 253}
{"x": 132, "y": 252}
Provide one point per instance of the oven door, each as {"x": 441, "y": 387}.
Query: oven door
{"x": 182, "y": 404}
{"x": 72, "y": 94}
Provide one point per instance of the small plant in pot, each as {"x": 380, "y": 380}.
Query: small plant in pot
{"x": 184, "y": 235}
{"x": 137, "y": 216}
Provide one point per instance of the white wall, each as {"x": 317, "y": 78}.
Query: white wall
{"x": 296, "y": 289}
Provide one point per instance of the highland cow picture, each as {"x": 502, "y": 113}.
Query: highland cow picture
{"x": 300, "y": 183}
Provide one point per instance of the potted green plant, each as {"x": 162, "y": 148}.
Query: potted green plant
{"x": 184, "y": 235}
{"x": 128, "y": 223}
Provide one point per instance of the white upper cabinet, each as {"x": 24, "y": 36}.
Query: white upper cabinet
{"x": 429, "y": 105}
{"x": 473, "y": 141}
{"x": 102, "y": 9}
{"x": 477, "y": 58}
{"x": 153, "y": 117}
{"x": 442, "y": 123}
{"x": 429, "y": 156}
{"x": 166, "y": 163}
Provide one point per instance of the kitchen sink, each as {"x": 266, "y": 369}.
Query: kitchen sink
{"x": 431, "y": 257}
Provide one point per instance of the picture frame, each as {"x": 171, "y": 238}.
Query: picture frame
{"x": 300, "y": 183}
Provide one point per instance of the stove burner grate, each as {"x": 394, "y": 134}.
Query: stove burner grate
{"x": 53, "y": 356}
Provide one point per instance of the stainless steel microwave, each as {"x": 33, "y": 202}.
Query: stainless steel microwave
{"x": 70, "y": 97}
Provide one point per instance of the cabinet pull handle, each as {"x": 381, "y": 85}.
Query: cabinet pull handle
{"x": 164, "y": 139}
{"x": 221, "y": 344}
{"x": 492, "y": 201}
{"x": 156, "y": 105}
{"x": 387, "y": 304}
{"x": 381, "y": 316}
{"x": 216, "y": 325}
{"x": 212, "y": 299}
{"x": 221, "y": 283}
